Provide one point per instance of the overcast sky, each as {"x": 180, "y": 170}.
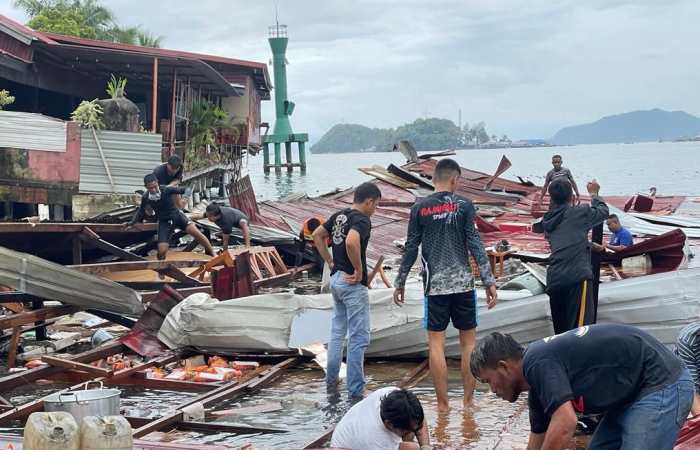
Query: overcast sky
{"x": 526, "y": 68}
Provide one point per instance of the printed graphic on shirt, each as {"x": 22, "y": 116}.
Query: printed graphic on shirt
{"x": 338, "y": 235}
{"x": 444, "y": 225}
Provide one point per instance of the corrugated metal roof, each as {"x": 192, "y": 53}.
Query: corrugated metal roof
{"x": 30, "y": 131}
{"x": 130, "y": 157}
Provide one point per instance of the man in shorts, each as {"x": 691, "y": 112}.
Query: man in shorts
{"x": 444, "y": 223}
{"x": 161, "y": 200}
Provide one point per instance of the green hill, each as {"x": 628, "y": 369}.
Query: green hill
{"x": 348, "y": 138}
{"x": 425, "y": 135}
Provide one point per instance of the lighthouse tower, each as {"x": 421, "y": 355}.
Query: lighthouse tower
{"x": 282, "y": 132}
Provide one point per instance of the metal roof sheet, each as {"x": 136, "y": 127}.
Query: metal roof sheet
{"x": 130, "y": 157}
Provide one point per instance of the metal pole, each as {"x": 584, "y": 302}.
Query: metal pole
{"x": 155, "y": 94}
{"x": 172, "y": 112}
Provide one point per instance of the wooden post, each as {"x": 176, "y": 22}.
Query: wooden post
{"x": 155, "y": 95}
{"x": 14, "y": 342}
{"x": 77, "y": 249}
{"x": 597, "y": 237}
{"x": 172, "y": 113}
{"x": 41, "y": 331}
{"x": 187, "y": 112}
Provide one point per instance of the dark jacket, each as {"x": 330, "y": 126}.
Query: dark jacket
{"x": 566, "y": 228}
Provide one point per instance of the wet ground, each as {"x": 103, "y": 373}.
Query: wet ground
{"x": 308, "y": 410}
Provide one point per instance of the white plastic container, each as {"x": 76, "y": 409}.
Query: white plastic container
{"x": 106, "y": 433}
{"x": 54, "y": 430}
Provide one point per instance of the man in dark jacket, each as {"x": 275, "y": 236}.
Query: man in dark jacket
{"x": 566, "y": 227}
{"x": 161, "y": 199}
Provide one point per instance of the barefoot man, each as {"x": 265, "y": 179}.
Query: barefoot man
{"x": 444, "y": 223}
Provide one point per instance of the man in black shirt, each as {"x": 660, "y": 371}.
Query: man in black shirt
{"x": 644, "y": 390}
{"x": 170, "y": 174}
{"x": 226, "y": 217}
{"x": 444, "y": 223}
{"x": 349, "y": 231}
{"x": 569, "y": 274}
{"x": 161, "y": 200}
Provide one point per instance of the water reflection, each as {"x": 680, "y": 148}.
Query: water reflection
{"x": 283, "y": 184}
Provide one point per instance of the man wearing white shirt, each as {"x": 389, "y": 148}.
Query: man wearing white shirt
{"x": 388, "y": 419}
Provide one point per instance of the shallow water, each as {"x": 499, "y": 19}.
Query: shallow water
{"x": 621, "y": 169}
{"x": 309, "y": 409}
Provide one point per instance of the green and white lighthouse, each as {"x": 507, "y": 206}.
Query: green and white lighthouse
{"x": 282, "y": 132}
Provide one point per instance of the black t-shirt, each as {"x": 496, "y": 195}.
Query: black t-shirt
{"x": 164, "y": 178}
{"x": 164, "y": 208}
{"x": 230, "y": 217}
{"x": 338, "y": 226}
{"x": 598, "y": 368}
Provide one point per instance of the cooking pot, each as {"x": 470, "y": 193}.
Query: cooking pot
{"x": 81, "y": 404}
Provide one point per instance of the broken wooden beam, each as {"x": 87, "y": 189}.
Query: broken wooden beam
{"x": 421, "y": 367}
{"x": 158, "y": 285}
{"x": 138, "y": 422}
{"x": 18, "y": 320}
{"x": 22, "y": 378}
{"x": 74, "y": 365}
{"x": 14, "y": 343}
{"x": 93, "y": 239}
{"x": 258, "y": 380}
{"x": 121, "y": 266}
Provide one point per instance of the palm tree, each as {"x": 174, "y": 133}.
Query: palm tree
{"x": 34, "y": 7}
{"x": 147, "y": 39}
{"x": 126, "y": 35}
{"x": 494, "y": 138}
{"x": 96, "y": 15}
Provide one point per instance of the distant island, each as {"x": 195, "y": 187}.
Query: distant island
{"x": 637, "y": 126}
{"x": 431, "y": 134}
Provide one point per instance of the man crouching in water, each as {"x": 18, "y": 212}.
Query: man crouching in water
{"x": 388, "y": 419}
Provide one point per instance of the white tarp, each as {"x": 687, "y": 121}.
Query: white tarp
{"x": 660, "y": 304}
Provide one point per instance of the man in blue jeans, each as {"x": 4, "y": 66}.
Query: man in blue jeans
{"x": 349, "y": 231}
{"x": 643, "y": 389}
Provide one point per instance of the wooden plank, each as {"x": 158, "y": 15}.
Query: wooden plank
{"x": 74, "y": 365}
{"x": 421, "y": 367}
{"x": 14, "y": 342}
{"x": 372, "y": 274}
{"x": 615, "y": 272}
{"x": 272, "y": 281}
{"x": 77, "y": 247}
{"x": 225, "y": 392}
{"x": 149, "y": 296}
{"x": 138, "y": 422}
{"x": 158, "y": 285}
{"x": 16, "y": 307}
{"x": 257, "y": 409}
{"x": 18, "y": 320}
{"x": 170, "y": 271}
{"x": 97, "y": 269}
{"x": 104, "y": 162}
{"x": 37, "y": 405}
{"x": 321, "y": 440}
{"x": 22, "y": 378}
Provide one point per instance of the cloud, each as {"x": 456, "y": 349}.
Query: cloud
{"x": 525, "y": 68}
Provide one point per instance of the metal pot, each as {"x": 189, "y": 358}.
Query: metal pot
{"x": 81, "y": 404}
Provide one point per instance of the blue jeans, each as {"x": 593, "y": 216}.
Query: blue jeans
{"x": 350, "y": 317}
{"x": 651, "y": 423}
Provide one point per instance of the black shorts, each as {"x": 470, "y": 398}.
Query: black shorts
{"x": 460, "y": 307}
{"x": 166, "y": 227}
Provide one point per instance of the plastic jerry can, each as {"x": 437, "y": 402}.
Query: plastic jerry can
{"x": 54, "y": 430}
{"x": 106, "y": 433}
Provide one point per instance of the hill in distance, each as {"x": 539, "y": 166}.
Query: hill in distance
{"x": 346, "y": 138}
{"x": 636, "y": 126}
